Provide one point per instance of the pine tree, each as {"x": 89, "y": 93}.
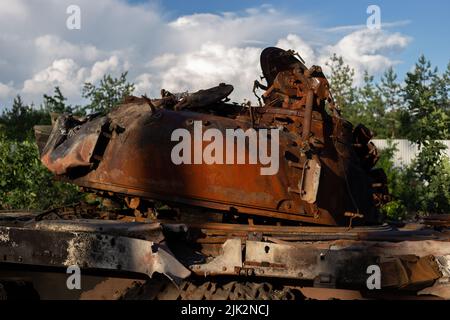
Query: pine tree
{"x": 57, "y": 102}
{"x": 442, "y": 86}
{"x": 108, "y": 94}
{"x": 427, "y": 120}
{"x": 390, "y": 91}
{"x": 17, "y": 123}
{"x": 370, "y": 107}
{"x": 341, "y": 85}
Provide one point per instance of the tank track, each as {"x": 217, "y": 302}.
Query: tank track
{"x": 160, "y": 288}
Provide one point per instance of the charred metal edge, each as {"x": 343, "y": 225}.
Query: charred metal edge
{"x": 417, "y": 266}
{"x": 87, "y": 250}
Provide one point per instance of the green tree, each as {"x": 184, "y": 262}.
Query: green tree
{"x": 390, "y": 91}
{"x": 370, "y": 109}
{"x": 442, "y": 84}
{"x": 17, "y": 123}
{"x": 428, "y": 122}
{"x": 57, "y": 104}
{"x": 341, "y": 85}
{"x": 426, "y": 119}
{"x": 358, "y": 105}
{"x": 108, "y": 94}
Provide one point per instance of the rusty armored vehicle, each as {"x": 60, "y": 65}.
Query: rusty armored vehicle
{"x": 324, "y": 166}
{"x": 241, "y": 201}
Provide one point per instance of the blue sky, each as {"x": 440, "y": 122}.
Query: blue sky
{"x": 428, "y": 21}
{"x": 190, "y": 45}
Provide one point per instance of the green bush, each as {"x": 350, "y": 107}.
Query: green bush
{"x": 395, "y": 210}
{"x": 25, "y": 183}
{"x": 433, "y": 193}
{"x": 420, "y": 188}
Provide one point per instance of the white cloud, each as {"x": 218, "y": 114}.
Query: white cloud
{"x": 64, "y": 73}
{"x": 294, "y": 42}
{"x": 13, "y": 10}
{"x": 212, "y": 64}
{"x": 69, "y": 76}
{"x": 263, "y": 25}
{"x": 52, "y": 46}
{"x": 100, "y": 68}
{"x": 6, "y": 91}
{"x": 144, "y": 84}
{"x": 368, "y": 49}
{"x": 190, "y": 52}
{"x": 357, "y": 27}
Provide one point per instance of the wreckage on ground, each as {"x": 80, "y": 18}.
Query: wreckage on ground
{"x": 235, "y": 219}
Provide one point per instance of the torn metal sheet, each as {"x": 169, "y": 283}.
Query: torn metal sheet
{"x": 71, "y": 144}
{"x": 441, "y": 287}
{"x": 88, "y": 250}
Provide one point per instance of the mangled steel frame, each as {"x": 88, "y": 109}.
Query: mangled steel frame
{"x": 414, "y": 261}
{"x": 408, "y": 266}
{"x": 89, "y": 244}
{"x": 325, "y": 171}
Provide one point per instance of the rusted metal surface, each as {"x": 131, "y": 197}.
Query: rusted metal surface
{"x": 323, "y": 167}
{"x": 439, "y": 220}
{"x": 219, "y": 233}
{"x": 420, "y": 266}
{"x": 414, "y": 260}
{"x": 72, "y": 144}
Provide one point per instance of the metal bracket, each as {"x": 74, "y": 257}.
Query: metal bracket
{"x": 309, "y": 181}
{"x": 229, "y": 262}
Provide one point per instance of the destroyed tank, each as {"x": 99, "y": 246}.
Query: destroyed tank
{"x": 227, "y": 201}
{"x": 292, "y": 158}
